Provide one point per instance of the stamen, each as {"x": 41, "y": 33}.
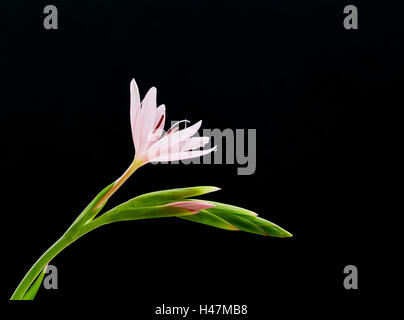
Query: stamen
{"x": 172, "y": 131}
{"x": 175, "y": 127}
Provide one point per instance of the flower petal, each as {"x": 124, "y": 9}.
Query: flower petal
{"x": 189, "y": 132}
{"x": 145, "y": 120}
{"x": 160, "y": 111}
{"x": 171, "y": 141}
{"x": 193, "y": 143}
{"x": 134, "y": 105}
{"x": 159, "y": 121}
{"x": 174, "y": 156}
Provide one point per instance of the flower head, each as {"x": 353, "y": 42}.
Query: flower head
{"x": 151, "y": 144}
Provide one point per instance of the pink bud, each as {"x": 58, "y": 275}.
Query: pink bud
{"x": 192, "y": 205}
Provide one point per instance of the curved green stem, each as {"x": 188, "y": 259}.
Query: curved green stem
{"x": 68, "y": 238}
{"x": 83, "y": 224}
{"x": 57, "y": 247}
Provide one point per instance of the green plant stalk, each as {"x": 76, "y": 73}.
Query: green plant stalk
{"x": 79, "y": 229}
{"x": 31, "y": 275}
{"x": 71, "y": 235}
{"x": 75, "y": 231}
{"x": 82, "y": 225}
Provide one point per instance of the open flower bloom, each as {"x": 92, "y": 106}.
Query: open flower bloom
{"x": 151, "y": 144}
{"x": 147, "y": 122}
{"x": 192, "y": 206}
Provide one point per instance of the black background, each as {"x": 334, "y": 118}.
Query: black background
{"x": 287, "y": 69}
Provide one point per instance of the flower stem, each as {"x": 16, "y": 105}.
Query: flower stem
{"x": 57, "y": 247}
{"x": 82, "y": 225}
{"x": 118, "y": 183}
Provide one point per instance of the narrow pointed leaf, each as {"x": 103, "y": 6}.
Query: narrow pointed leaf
{"x": 239, "y": 218}
{"x": 223, "y": 216}
{"x": 130, "y": 213}
{"x": 222, "y": 208}
{"x": 270, "y": 228}
{"x": 210, "y": 219}
{"x": 32, "y": 291}
{"x": 89, "y": 212}
{"x": 167, "y": 196}
{"x": 242, "y": 223}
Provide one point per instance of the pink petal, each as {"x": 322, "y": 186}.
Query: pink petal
{"x": 158, "y": 121}
{"x": 189, "y": 132}
{"x": 161, "y": 110}
{"x": 149, "y": 105}
{"x": 171, "y": 141}
{"x": 149, "y": 114}
{"x": 174, "y": 156}
{"x": 134, "y": 105}
{"x": 193, "y": 143}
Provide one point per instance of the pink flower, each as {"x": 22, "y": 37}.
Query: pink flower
{"x": 193, "y": 206}
{"x": 147, "y": 122}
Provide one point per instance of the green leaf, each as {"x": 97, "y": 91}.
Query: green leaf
{"x": 210, "y": 219}
{"x": 167, "y": 196}
{"x": 32, "y": 291}
{"x": 230, "y": 217}
{"x": 131, "y": 213}
{"x": 89, "y": 212}
{"x": 222, "y": 208}
{"x": 270, "y": 228}
{"x": 223, "y": 216}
